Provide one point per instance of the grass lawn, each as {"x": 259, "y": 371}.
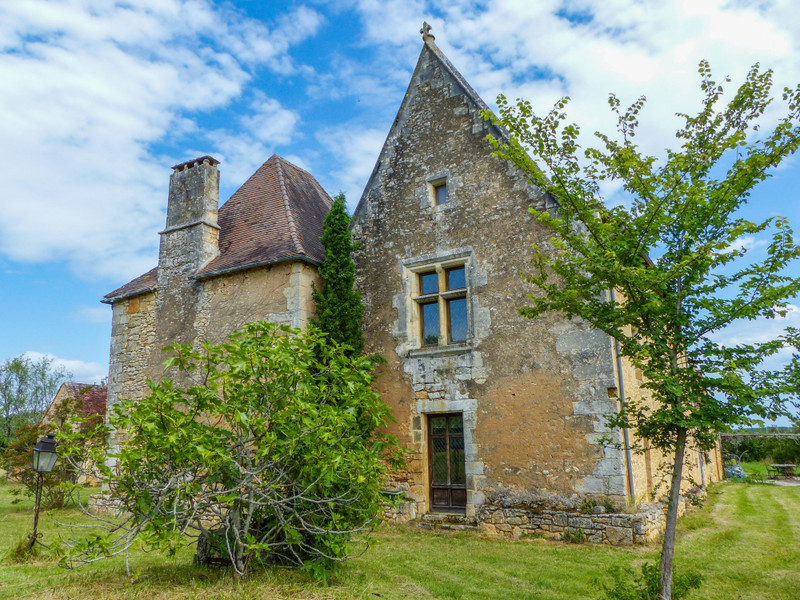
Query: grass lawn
{"x": 745, "y": 540}
{"x": 758, "y": 469}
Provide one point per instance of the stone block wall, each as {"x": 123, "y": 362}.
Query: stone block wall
{"x": 133, "y": 337}
{"x": 533, "y": 393}
{"x": 617, "y": 529}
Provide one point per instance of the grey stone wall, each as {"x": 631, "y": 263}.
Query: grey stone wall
{"x": 534, "y": 394}
{"x": 617, "y": 529}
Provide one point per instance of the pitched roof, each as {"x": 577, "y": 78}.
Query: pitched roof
{"x": 140, "y": 285}
{"x": 93, "y": 397}
{"x": 276, "y": 215}
{"x": 429, "y": 49}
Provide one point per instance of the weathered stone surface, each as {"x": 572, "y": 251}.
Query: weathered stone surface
{"x": 619, "y": 536}
{"x": 531, "y": 391}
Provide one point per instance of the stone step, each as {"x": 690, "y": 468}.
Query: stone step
{"x": 446, "y": 522}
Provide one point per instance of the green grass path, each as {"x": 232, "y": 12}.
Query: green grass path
{"x": 746, "y": 541}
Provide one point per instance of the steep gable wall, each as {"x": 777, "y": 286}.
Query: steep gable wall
{"x": 533, "y": 394}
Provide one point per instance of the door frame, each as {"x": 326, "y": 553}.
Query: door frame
{"x": 454, "y": 504}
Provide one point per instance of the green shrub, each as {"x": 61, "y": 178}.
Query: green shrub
{"x": 627, "y": 585}
{"x": 273, "y": 454}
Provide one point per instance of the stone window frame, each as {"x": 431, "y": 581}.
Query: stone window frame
{"x": 416, "y": 299}
{"x": 432, "y": 183}
{"x": 433, "y": 190}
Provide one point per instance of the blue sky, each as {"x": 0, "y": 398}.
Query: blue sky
{"x": 100, "y": 98}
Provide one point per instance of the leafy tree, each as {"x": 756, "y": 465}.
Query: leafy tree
{"x": 26, "y": 388}
{"x": 261, "y": 459}
{"x": 339, "y": 308}
{"x": 663, "y": 273}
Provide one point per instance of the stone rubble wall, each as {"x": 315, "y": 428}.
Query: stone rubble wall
{"x": 616, "y": 529}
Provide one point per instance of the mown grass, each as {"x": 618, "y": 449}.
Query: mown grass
{"x": 759, "y": 469}
{"x": 744, "y": 541}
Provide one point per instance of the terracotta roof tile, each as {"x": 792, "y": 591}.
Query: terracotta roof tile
{"x": 276, "y": 215}
{"x": 140, "y": 285}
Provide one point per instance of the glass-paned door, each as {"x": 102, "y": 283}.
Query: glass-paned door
{"x": 446, "y": 452}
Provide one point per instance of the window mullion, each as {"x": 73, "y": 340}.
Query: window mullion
{"x": 443, "y": 328}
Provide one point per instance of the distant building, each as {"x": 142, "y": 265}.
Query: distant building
{"x": 79, "y": 399}
{"x": 83, "y": 400}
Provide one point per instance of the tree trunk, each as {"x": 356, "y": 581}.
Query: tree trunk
{"x": 668, "y": 547}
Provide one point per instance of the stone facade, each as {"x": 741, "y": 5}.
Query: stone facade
{"x": 516, "y": 408}
{"x": 532, "y": 396}
{"x": 183, "y": 301}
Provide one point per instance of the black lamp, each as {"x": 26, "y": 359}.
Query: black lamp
{"x": 44, "y": 454}
{"x": 43, "y": 460}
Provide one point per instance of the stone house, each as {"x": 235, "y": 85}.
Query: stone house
{"x": 82, "y": 400}
{"x": 505, "y": 417}
{"x": 89, "y": 399}
{"x": 499, "y": 411}
{"x": 254, "y": 258}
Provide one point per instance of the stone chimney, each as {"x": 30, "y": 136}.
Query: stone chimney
{"x": 189, "y": 241}
{"x": 191, "y": 237}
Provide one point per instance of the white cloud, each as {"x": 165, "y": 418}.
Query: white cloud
{"x": 94, "y": 314}
{"x": 746, "y": 243}
{"x": 357, "y": 151}
{"x": 762, "y": 330}
{"x": 81, "y": 371}
{"x": 530, "y": 50}
{"x": 88, "y": 88}
{"x": 267, "y": 125}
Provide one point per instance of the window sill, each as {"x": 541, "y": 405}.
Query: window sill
{"x": 451, "y": 350}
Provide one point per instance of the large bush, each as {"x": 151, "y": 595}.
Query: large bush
{"x": 263, "y": 456}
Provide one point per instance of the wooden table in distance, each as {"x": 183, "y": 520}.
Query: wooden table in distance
{"x": 784, "y": 469}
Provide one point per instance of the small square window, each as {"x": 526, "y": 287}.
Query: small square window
{"x": 440, "y": 193}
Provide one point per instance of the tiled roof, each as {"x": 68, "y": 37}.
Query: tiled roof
{"x": 93, "y": 396}
{"x": 140, "y": 285}
{"x": 276, "y": 215}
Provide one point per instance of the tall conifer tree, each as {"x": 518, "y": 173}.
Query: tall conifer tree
{"x": 339, "y": 308}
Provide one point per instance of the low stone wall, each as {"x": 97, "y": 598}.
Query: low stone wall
{"x": 399, "y": 511}
{"x": 103, "y": 504}
{"x": 617, "y": 529}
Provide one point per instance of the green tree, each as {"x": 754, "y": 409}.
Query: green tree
{"x": 26, "y": 389}
{"x": 261, "y": 459}
{"x": 664, "y": 273}
{"x": 338, "y": 304}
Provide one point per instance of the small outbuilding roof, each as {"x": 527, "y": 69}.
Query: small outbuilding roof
{"x": 93, "y": 398}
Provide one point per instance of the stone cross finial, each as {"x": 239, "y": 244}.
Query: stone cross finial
{"x": 426, "y": 32}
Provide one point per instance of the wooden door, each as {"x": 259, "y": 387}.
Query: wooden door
{"x": 448, "y": 479}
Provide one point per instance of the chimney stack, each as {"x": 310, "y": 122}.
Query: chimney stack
{"x": 191, "y": 237}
